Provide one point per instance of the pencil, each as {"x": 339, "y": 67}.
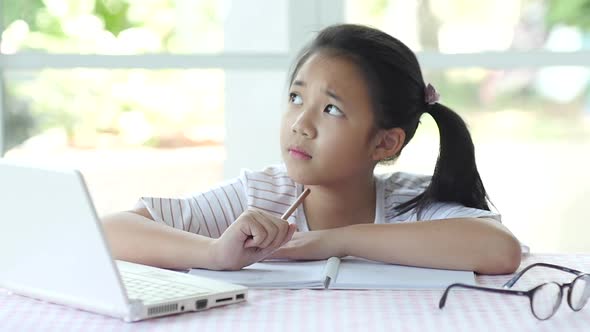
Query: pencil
{"x": 295, "y": 204}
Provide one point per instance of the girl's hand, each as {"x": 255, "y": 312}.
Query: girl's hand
{"x": 251, "y": 238}
{"x": 313, "y": 245}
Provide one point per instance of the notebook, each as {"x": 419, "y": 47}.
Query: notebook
{"x": 52, "y": 248}
{"x": 339, "y": 273}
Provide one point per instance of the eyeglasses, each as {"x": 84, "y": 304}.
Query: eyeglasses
{"x": 545, "y": 298}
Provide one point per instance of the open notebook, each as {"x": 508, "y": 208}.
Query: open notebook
{"x": 338, "y": 273}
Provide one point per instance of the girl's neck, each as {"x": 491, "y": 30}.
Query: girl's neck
{"x": 345, "y": 203}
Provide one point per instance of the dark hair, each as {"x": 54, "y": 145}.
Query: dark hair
{"x": 397, "y": 90}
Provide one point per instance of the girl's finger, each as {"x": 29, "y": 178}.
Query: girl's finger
{"x": 289, "y": 235}
{"x": 270, "y": 226}
{"x": 256, "y": 231}
{"x": 282, "y": 231}
{"x": 281, "y": 252}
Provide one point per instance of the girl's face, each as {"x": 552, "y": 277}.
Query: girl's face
{"x": 327, "y": 132}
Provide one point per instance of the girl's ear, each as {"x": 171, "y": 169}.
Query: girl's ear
{"x": 388, "y": 143}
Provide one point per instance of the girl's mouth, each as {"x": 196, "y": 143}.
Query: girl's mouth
{"x": 298, "y": 153}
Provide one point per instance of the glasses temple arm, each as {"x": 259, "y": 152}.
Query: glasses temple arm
{"x": 443, "y": 298}
{"x": 517, "y": 276}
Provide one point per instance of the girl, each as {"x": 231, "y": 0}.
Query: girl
{"x": 355, "y": 99}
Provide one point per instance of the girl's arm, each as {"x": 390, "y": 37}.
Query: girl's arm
{"x": 477, "y": 244}
{"x": 133, "y": 236}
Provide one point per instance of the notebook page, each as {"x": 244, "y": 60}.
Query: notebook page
{"x": 356, "y": 273}
{"x": 272, "y": 274}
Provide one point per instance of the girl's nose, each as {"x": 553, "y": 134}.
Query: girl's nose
{"x": 303, "y": 126}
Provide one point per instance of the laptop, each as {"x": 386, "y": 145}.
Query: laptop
{"x": 53, "y": 248}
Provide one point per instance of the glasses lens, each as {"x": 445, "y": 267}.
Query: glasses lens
{"x": 580, "y": 292}
{"x": 546, "y": 300}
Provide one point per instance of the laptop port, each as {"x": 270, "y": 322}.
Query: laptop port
{"x": 223, "y": 299}
{"x": 240, "y": 297}
{"x": 201, "y": 304}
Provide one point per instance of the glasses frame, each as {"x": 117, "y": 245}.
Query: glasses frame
{"x": 531, "y": 292}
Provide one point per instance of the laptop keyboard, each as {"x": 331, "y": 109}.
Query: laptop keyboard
{"x": 157, "y": 290}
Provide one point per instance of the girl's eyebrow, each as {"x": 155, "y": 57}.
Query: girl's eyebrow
{"x": 328, "y": 92}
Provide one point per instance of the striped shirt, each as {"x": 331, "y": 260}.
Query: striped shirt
{"x": 210, "y": 213}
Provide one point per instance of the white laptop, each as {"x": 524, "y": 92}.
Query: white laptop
{"x": 52, "y": 247}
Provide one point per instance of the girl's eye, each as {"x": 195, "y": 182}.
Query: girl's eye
{"x": 333, "y": 110}
{"x": 295, "y": 99}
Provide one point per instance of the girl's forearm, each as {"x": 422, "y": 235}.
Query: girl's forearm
{"x": 134, "y": 238}
{"x": 476, "y": 244}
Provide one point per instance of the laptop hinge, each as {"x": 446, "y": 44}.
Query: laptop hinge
{"x": 137, "y": 311}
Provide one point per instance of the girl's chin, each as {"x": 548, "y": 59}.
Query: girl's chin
{"x": 300, "y": 175}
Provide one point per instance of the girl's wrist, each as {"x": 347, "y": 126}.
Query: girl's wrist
{"x": 205, "y": 255}
{"x": 343, "y": 238}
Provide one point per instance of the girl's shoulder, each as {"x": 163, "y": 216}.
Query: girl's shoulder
{"x": 403, "y": 182}
{"x": 401, "y": 187}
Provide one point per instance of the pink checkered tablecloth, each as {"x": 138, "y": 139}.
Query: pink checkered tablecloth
{"x": 334, "y": 310}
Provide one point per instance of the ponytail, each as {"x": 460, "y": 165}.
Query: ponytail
{"x": 455, "y": 177}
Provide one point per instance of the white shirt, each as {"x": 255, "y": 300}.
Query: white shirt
{"x": 210, "y": 212}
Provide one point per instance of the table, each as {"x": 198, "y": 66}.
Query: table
{"x": 334, "y": 310}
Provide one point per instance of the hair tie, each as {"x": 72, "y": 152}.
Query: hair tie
{"x": 430, "y": 95}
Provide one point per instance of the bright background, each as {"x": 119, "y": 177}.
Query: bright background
{"x": 165, "y": 97}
